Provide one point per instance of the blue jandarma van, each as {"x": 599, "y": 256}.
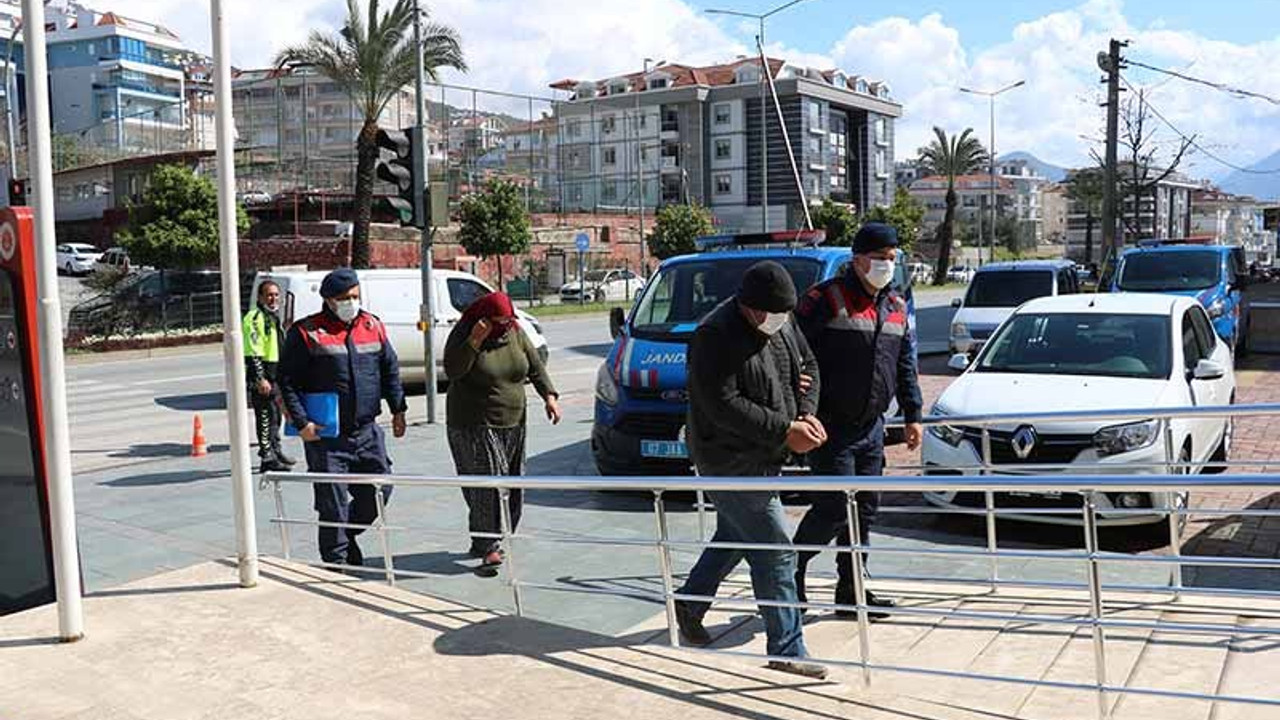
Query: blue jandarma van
{"x": 641, "y": 389}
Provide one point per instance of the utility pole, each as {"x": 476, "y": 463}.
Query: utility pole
{"x": 1110, "y": 63}
{"x": 422, "y": 209}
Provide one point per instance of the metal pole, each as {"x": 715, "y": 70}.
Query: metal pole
{"x": 764, "y": 138}
{"x": 232, "y": 336}
{"x": 1109, "y": 199}
{"x": 1095, "y": 601}
{"x": 1175, "y": 532}
{"x": 990, "y": 500}
{"x": 423, "y": 201}
{"x": 10, "y": 97}
{"x": 664, "y": 567}
{"x": 991, "y": 185}
{"x": 278, "y": 492}
{"x": 786, "y": 140}
{"x": 700, "y": 497}
{"x": 306, "y": 163}
{"x": 387, "y": 563}
{"x": 62, "y": 512}
{"x": 640, "y": 162}
{"x": 859, "y": 585}
{"x": 504, "y": 508}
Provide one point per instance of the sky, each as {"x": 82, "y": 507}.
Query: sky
{"x": 924, "y": 49}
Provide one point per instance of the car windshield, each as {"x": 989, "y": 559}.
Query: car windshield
{"x": 1008, "y": 288}
{"x": 1128, "y": 346}
{"x": 681, "y": 295}
{"x": 1170, "y": 271}
{"x": 81, "y": 248}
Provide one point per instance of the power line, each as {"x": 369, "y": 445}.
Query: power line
{"x": 1192, "y": 141}
{"x": 1235, "y": 91}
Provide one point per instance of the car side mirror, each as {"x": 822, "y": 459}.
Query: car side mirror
{"x": 959, "y": 362}
{"x": 1208, "y": 370}
{"x": 956, "y": 303}
{"x": 617, "y": 318}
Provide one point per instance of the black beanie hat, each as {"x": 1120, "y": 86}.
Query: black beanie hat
{"x": 874, "y": 236}
{"x": 768, "y": 287}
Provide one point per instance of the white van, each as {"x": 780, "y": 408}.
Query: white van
{"x": 395, "y": 296}
{"x": 997, "y": 289}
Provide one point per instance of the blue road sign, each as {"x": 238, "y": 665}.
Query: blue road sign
{"x": 583, "y": 242}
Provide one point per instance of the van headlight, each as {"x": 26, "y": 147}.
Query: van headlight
{"x": 1217, "y": 308}
{"x": 948, "y": 434}
{"x": 606, "y": 387}
{"x": 1127, "y": 438}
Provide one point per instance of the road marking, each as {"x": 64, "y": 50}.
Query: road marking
{"x": 186, "y": 378}
{"x": 106, "y": 392}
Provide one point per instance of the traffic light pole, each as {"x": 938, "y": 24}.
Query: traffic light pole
{"x": 422, "y": 209}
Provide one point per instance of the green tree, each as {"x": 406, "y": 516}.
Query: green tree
{"x": 1086, "y": 188}
{"x": 905, "y": 215}
{"x": 372, "y": 59}
{"x": 494, "y": 223}
{"x": 950, "y": 158}
{"x": 838, "y": 220}
{"x": 676, "y": 229}
{"x": 176, "y": 225}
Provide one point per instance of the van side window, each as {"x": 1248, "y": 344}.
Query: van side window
{"x": 464, "y": 292}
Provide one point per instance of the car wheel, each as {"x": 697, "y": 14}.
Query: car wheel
{"x": 600, "y": 296}
{"x": 1223, "y": 454}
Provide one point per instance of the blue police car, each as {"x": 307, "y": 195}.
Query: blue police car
{"x": 1213, "y": 274}
{"x": 641, "y": 389}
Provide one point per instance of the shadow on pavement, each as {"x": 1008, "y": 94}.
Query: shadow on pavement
{"x": 194, "y": 403}
{"x": 166, "y": 478}
{"x": 572, "y": 459}
{"x": 162, "y": 450}
{"x": 600, "y": 350}
{"x": 1238, "y": 537}
{"x": 437, "y": 563}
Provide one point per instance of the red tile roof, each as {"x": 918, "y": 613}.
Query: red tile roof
{"x": 110, "y": 19}
{"x": 681, "y": 75}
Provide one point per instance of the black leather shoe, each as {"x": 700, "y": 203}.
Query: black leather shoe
{"x": 285, "y": 459}
{"x": 872, "y": 602}
{"x": 691, "y": 628}
{"x": 272, "y": 465}
{"x": 354, "y": 556}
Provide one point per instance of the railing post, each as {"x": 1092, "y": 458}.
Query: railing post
{"x": 504, "y": 506}
{"x": 387, "y": 563}
{"x": 278, "y": 491}
{"x": 664, "y": 566}
{"x": 1095, "y": 601}
{"x": 859, "y": 584}
{"x": 1175, "y": 520}
{"x": 700, "y": 498}
{"x": 989, "y": 498}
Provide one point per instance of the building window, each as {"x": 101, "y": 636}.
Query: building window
{"x": 880, "y": 164}
{"x": 607, "y": 124}
{"x": 815, "y": 149}
{"x": 610, "y": 156}
{"x": 724, "y": 184}
{"x": 644, "y": 154}
{"x": 724, "y": 149}
{"x": 574, "y": 128}
{"x": 617, "y": 88}
{"x": 882, "y": 131}
{"x": 815, "y": 186}
{"x": 723, "y": 114}
{"x": 608, "y": 192}
{"x": 815, "y": 115}
{"x": 643, "y": 120}
{"x": 657, "y": 83}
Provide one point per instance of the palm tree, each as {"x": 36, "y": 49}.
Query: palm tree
{"x": 372, "y": 59}
{"x": 950, "y": 158}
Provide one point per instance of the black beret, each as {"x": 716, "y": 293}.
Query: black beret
{"x": 338, "y": 282}
{"x": 767, "y": 286}
{"x": 874, "y": 236}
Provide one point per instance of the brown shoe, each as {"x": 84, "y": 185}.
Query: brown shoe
{"x": 812, "y": 671}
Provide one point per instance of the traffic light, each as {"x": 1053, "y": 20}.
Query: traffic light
{"x": 17, "y": 192}
{"x": 401, "y": 170}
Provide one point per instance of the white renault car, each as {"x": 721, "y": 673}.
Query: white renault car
{"x": 1078, "y": 353}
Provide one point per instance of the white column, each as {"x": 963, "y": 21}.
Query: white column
{"x": 62, "y": 509}
{"x": 233, "y": 334}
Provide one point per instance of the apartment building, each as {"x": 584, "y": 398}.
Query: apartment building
{"x": 680, "y": 133}
{"x": 1232, "y": 220}
{"x": 973, "y": 200}
{"x": 1026, "y": 205}
{"x": 531, "y": 149}
{"x": 1162, "y": 212}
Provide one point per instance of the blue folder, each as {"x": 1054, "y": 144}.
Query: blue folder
{"x": 322, "y": 409}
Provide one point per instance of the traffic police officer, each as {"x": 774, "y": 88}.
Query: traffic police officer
{"x": 858, "y": 327}
{"x": 345, "y": 351}
{"x": 261, "y": 357}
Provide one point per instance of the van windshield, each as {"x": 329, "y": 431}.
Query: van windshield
{"x": 1170, "y": 271}
{"x": 1008, "y": 288}
{"x": 681, "y": 295}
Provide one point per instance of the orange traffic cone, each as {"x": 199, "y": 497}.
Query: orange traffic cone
{"x": 199, "y": 447}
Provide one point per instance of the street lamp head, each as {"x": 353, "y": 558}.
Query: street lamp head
{"x": 1020, "y": 83}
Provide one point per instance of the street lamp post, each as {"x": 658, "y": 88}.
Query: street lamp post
{"x": 764, "y": 113}
{"x": 991, "y": 152}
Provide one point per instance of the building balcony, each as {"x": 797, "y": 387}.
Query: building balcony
{"x": 138, "y": 86}
{"x": 670, "y": 164}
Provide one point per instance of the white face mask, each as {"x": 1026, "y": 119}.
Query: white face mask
{"x": 773, "y": 322}
{"x": 880, "y": 274}
{"x": 346, "y": 310}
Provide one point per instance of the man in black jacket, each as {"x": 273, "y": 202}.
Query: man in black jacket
{"x": 860, "y": 331}
{"x": 753, "y": 386}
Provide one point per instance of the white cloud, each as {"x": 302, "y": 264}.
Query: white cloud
{"x": 522, "y": 45}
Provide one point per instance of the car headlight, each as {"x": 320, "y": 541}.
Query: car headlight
{"x": 959, "y": 330}
{"x": 948, "y": 434}
{"x": 1217, "y": 308}
{"x": 1127, "y": 438}
{"x": 606, "y": 388}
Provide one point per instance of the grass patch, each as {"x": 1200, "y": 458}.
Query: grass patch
{"x": 547, "y": 311}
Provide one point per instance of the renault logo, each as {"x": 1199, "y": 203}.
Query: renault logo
{"x": 1024, "y": 441}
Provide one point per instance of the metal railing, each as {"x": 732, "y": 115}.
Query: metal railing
{"x": 990, "y": 481}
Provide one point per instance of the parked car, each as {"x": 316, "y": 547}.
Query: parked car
{"x": 998, "y": 288}
{"x": 961, "y": 274}
{"x": 641, "y": 388}
{"x": 114, "y": 259}
{"x": 77, "y": 258}
{"x": 921, "y": 273}
{"x": 1216, "y": 275}
{"x": 150, "y": 300}
{"x": 255, "y": 197}
{"x": 395, "y": 296}
{"x": 612, "y": 285}
{"x": 1084, "y": 353}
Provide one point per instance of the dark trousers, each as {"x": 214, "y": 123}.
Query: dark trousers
{"x": 267, "y": 417}
{"x": 490, "y": 452}
{"x": 361, "y": 451}
{"x": 848, "y": 452}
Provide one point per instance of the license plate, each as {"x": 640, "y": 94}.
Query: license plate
{"x": 663, "y": 449}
